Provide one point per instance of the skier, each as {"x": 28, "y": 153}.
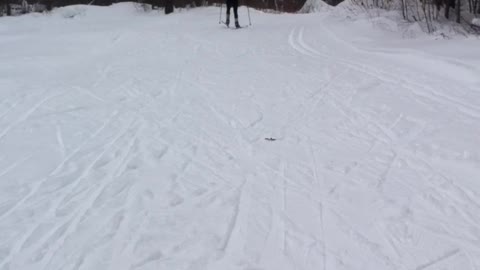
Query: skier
{"x": 234, "y": 4}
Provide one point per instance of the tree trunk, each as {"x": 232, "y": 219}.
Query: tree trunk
{"x": 447, "y": 9}
{"x": 458, "y": 7}
{"x": 406, "y": 10}
{"x": 168, "y": 6}
{"x": 49, "y": 5}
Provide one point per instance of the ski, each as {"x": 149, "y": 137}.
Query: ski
{"x": 233, "y": 27}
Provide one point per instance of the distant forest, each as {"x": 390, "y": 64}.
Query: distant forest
{"x": 274, "y": 5}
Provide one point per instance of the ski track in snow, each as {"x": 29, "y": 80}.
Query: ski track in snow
{"x": 141, "y": 144}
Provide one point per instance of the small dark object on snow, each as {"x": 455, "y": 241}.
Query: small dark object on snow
{"x": 270, "y": 139}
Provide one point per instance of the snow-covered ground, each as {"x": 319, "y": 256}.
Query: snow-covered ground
{"x": 138, "y": 141}
{"x": 476, "y": 21}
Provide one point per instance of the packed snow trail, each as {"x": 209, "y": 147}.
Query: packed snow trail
{"x": 142, "y": 141}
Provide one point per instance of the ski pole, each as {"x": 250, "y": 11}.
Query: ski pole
{"x": 220, "y": 17}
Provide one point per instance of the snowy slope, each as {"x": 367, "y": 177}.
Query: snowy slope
{"x": 137, "y": 141}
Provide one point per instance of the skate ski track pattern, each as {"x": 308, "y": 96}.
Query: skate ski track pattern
{"x": 152, "y": 149}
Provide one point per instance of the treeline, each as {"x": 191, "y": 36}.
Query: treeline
{"x": 274, "y": 5}
{"x": 431, "y": 12}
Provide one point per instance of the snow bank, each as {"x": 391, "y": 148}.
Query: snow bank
{"x": 311, "y": 6}
{"x": 393, "y": 21}
{"x": 349, "y": 9}
{"x": 384, "y": 20}
{"x": 76, "y": 11}
{"x": 71, "y": 12}
{"x": 476, "y": 21}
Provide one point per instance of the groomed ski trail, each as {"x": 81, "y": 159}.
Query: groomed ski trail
{"x": 142, "y": 141}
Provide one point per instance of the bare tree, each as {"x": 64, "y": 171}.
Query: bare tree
{"x": 458, "y": 7}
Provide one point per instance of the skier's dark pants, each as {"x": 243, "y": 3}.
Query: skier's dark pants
{"x": 234, "y": 4}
